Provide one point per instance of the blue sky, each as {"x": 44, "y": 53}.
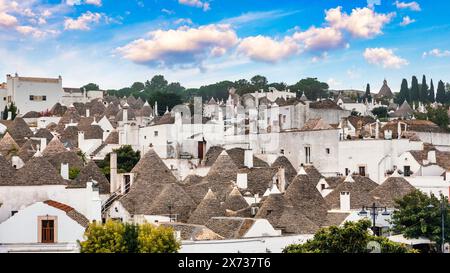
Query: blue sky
{"x": 195, "y": 42}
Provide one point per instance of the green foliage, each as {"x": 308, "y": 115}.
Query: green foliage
{"x": 5, "y": 113}
{"x": 414, "y": 217}
{"x": 431, "y": 96}
{"x": 107, "y": 238}
{"x": 439, "y": 116}
{"x": 152, "y": 239}
{"x": 13, "y": 109}
{"x": 130, "y": 237}
{"x": 91, "y": 87}
{"x": 165, "y": 100}
{"x": 73, "y": 173}
{"x": 127, "y": 158}
{"x": 116, "y": 237}
{"x": 415, "y": 90}
{"x": 355, "y": 113}
{"x": 424, "y": 90}
{"x": 259, "y": 82}
{"x": 352, "y": 237}
{"x": 312, "y": 88}
{"x": 440, "y": 93}
{"x": 380, "y": 112}
{"x": 82, "y": 156}
{"x": 367, "y": 95}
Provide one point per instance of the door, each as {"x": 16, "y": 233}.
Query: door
{"x": 362, "y": 170}
{"x": 48, "y": 231}
{"x": 407, "y": 170}
{"x": 200, "y": 149}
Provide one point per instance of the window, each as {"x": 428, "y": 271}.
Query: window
{"x": 282, "y": 151}
{"x": 347, "y": 171}
{"x": 322, "y": 186}
{"x": 13, "y": 212}
{"x": 156, "y": 133}
{"x": 31, "y": 97}
{"x": 407, "y": 170}
{"x": 362, "y": 170}
{"x": 307, "y": 154}
{"x": 44, "y": 98}
{"x": 47, "y": 231}
{"x": 327, "y": 150}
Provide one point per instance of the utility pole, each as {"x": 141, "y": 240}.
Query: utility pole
{"x": 374, "y": 210}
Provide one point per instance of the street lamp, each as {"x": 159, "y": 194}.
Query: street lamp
{"x": 374, "y": 210}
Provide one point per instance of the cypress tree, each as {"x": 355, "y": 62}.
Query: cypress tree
{"x": 415, "y": 92}
{"x": 368, "y": 96}
{"x": 404, "y": 92}
{"x": 431, "y": 97}
{"x": 424, "y": 90}
{"x": 440, "y": 93}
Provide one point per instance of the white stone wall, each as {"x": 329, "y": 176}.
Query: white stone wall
{"x": 255, "y": 245}
{"x": 20, "y": 92}
{"x": 23, "y": 226}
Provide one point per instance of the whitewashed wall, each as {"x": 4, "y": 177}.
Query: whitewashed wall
{"x": 254, "y": 245}
{"x": 23, "y": 226}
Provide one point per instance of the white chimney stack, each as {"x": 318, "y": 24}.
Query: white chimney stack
{"x": 113, "y": 172}
{"x": 345, "y": 201}
{"x": 281, "y": 179}
{"x": 432, "y": 157}
{"x": 241, "y": 180}
{"x": 399, "y": 130}
{"x": 9, "y": 115}
{"x": 377, "y": 130}
{"x": 65, "y": 171}
{"x": 88, "y": 112}
{"x": 248, "y": 158}
{"x": 80, "y": 139}
{"x": 43, "y": 145}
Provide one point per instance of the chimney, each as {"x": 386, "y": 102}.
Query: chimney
{"x": 80, "y": 139}
{"x": 281, "y": 179}
{"x": 241, "y": 180}
{"x": 125, "y": 113}
{"x": 9, "y": 115}
{"x": 88, "y": 112}
{"x": 43, "y": 145}
{"x": 399, "y": 130}
{"x": 65, "y": 170}
{"x": 432, "y": 157}
{"x": 113, "y": 172}
{"x": 94, "y": 204}
{"x": 248, "y": 158}
{"x": 345, "y": 201}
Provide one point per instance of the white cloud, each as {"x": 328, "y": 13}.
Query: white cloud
{"x": 196, "y": 3}
{"x": 414, "y": 6}
{"x": 7, "y": 20}
{"x": 183, "y": 46}
{"x": 384, "y": 57}
{"x": 437, "y": 53}
{"x": 35, "y": 32}
{"x": 407, "y": 21}
{"x": 320, "y": 38}
{"x": 81, "y": 2}
{"x": 266, "y": 49}
{"x": 361, "y": 23}
{"x": 83, "y": 22}
{"x": 183, "y": 21}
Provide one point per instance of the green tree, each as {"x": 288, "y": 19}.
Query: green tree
{"x": 107, "y": 238}
{"x": 73, "y": 173}
{"x": 439, "y": 116}
{"x": 13, "y": 109}
{"x": 312, "y": 88}
{"x": 153, "y": 239}
{"x": 415, "y": 91}
{"x": 157, "y": 84}
{"x": 137, "y": 86}
{"x": 259, "y": 82}
{"x": 91, "y": 87}
{"x": 424, "y": 90}
{"x": 440, "y": 93}
{"x": 367, "y": 95}
{"x": 419, "y": 215}
{"x": 165, "y": 100}
{"x": 431, "y": 97}
{"x": 380, "y": 112}
{"x": 352, "y": 237}
{"x": 130, "y": 237}
{"x": 5, "y": 113}
{"x": 127, "y": 158}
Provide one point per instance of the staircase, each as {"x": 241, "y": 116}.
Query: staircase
{"x": 113, "y": 197}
